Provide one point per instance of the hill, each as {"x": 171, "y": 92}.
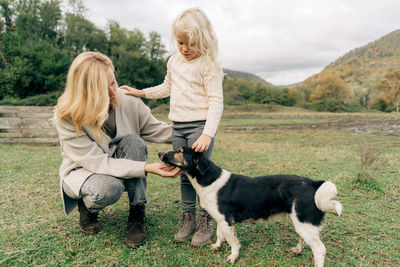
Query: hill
{"x": 289, "y": 85}
{"x": 247, "y": 76}
{"x": 364, "y": 66}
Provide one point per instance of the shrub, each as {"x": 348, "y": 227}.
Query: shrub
{"x": 37, "y": 100}
{"x": 334, "y": 105}
{"x": 380, "y": 104}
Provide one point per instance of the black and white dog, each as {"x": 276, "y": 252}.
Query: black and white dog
{"x": 232, "y": 198}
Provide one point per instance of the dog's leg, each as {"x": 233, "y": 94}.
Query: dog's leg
{"x": 220, "y": 239}
{"x": 310, "y": 234}
{"x": 229, "y": 233}
{"x": 317, "y": 247}
{"x": 297, "y": 249}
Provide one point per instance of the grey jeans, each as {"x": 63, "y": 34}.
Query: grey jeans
{"x": 100, "y": 191}
{"x": 185, "y": 134}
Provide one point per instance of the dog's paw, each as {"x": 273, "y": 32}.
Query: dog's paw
{"x": 294, "y": 250}
{"x": 231, "y": 258}
{"x": 215, "y": 247}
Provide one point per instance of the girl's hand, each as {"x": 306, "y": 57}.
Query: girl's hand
{"x": 202, "y": 143}
{"x": 132, "y": 91}
{"x": 162, "y": 169}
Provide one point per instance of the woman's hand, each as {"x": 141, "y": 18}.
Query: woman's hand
{"x": 132, "y": 91}
{"x": 162, "y": 169}
{"x": 202, "y": 143}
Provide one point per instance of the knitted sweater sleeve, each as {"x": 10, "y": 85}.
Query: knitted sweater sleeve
{"x": 163, "y": 90}
{"x": 213, "y": 78}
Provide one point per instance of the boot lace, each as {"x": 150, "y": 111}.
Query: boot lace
{"x": 186, "y": 220}
{"x": 204, "y": 223}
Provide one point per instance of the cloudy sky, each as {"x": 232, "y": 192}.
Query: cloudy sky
{"x": 282, "y": 41}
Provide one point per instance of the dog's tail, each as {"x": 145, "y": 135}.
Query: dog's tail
{"x": 323, "y": 197}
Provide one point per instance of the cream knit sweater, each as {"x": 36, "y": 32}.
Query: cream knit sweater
{"x": 195, "y": 90}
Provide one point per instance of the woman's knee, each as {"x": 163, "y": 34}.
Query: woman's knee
{"x": 104, "y": 194}
{"x": 132, "y": 147}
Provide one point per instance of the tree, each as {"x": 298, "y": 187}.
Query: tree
{"x": 35, "y": 20}
{"x": 390, "y": 90}
{"x": 82, "y": 35}
{"x": 155, "y": 49}
{"x": 31, "y": 63}
{"x": 50, "y": 17}
{"x": 292, "y": 96}
{"x": 134, "y": 66}
{"x": 303, "y": 93}
{"x": 329, "y": 86}
{"x": 6, "y": 13}
{"x": 37, "y": 44}
{"x": 28, "y": 21}
{"x": 32, "y": 70}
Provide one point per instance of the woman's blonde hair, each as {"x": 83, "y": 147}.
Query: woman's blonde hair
{"x": 197, "y": 27}
{"x": 86, "y": 98}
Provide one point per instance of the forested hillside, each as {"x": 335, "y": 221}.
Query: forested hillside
{"x": 38, "y": 42}
{"x": 366, "y": 76}
{"x": 246, "y": 75}
{"x": 370, "y": 62}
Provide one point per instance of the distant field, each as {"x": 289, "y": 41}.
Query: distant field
{"x": 253, "y": 140}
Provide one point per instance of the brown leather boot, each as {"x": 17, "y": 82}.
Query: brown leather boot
{"x": 136, "y": 232}
{"x": 88, "y": 223}
{"x": 188, "y": 227}
{"x": 204, "y": 231}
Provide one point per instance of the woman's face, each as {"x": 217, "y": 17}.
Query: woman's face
{"x": 184, "y": 48}
{"x": 112, "y": 85}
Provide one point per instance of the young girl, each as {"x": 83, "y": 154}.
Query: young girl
{"x": 194, "y": 84}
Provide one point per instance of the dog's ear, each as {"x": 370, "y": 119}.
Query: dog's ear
{"x": 203, "y": 164}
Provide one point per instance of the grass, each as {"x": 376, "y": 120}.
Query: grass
{"x": 34, "y": 230}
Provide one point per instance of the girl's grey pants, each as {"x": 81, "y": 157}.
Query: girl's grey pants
{"x": 184, "y": 134}
{"x": 99, "y": 190}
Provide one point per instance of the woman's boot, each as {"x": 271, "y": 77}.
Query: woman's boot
{"x": 88, "y": 223}
{"x": 136, "y": 232}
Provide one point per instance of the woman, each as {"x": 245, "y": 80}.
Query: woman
{"x": 102, "y": 133}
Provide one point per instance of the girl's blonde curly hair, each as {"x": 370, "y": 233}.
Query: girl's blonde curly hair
{"x": 197, "y": 27}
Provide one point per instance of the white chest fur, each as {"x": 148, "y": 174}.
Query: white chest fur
{"x": 208, "y": 194}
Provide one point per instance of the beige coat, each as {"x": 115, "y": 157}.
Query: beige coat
{"x": 83, "y": 156}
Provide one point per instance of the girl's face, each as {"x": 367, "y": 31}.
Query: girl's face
{"x": 189, "y": 52}
{"x": 112, "y": 85}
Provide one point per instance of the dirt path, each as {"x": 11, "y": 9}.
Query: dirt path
{"x": 362, "y": 123}
{"x": 354, "y": 123}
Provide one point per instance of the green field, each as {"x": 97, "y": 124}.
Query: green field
{"x": 252, "y": 140}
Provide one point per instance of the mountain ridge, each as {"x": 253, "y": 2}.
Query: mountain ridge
{"x": 365, "y": 65}
{"x": 246, "y": 75}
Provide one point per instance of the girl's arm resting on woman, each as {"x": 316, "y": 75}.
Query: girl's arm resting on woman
{"x": 160, "y": 91}
{"x": 163, "y": 90}
{"x": 133, "y": 91}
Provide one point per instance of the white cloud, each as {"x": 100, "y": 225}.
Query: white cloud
{"x": 282, "y": 41}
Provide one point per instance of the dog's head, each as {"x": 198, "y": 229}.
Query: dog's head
{"x": 187, "y": 160}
